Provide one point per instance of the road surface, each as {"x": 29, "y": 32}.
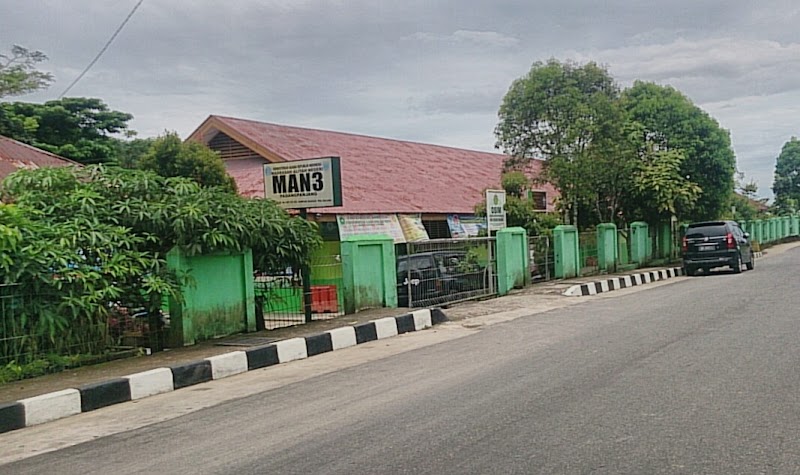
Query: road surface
{"x": 699, "y": 375}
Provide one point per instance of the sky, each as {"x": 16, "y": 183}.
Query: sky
{"x": 420, "y": 70}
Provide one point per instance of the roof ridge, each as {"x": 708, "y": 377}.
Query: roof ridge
{"x": 351, "y": 134}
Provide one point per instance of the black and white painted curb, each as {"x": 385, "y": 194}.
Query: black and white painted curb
{"x": 622, "y": 282}
{"x": 57, "y": 405}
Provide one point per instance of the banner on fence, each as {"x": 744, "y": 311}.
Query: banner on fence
{"x": 360, "y": 224}
{"x": 463, "y": 226}
{"x": 413, "y": 229}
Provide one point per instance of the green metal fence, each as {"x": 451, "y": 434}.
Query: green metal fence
{"x": 587, "y": 248}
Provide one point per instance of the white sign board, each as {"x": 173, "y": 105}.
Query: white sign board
{"x": 360, "y": 224}
{"x": 495, "y": 209}
{"x": 314, "y": 183}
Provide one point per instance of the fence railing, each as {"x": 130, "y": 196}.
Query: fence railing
{"x": 587, "y": 249}
{"x": 541, "y": 258}
{"x": 37, "y": 336}
{"x": 444, "y": 271}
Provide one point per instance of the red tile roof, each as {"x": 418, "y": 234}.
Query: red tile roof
{"x": 16, "y": 155}
{"x": 378, "y": 175}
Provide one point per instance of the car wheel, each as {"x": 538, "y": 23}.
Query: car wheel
{"x": 752, "y": 263}
{"x": 690, "y": 271}
{"x": 738, "y": 266}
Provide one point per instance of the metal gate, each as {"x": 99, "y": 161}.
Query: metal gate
{"x": 280, "y": 298}
{"x": 541, "y": 258}
{"x": 443, "y": 271}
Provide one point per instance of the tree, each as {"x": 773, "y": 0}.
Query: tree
{"x": 169, "y": 156}
{"x": 130, "y": 152}
{"x": 18, "y": 73}
{"x": 78, "y": 240}
{"x": 786, "y": 185}
{"x": 745, "y": 204}
{"x": 668, "y": 121}
{"x": 567, "y": 114}
{"x": 81, "y": 129}
{"x": 660, "y": 189}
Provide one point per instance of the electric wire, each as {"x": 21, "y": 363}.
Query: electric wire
{"x": 108, "y": 43}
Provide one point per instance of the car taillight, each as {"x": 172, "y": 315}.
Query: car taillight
{"x": 685, "y": 244}
{"x": 731, "y": 242}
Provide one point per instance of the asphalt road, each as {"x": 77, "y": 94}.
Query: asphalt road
{"x": 698, "y": 376}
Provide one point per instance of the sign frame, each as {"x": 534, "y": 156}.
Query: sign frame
{"x": 495, "y": 210}
{"x": 298, "y": 189}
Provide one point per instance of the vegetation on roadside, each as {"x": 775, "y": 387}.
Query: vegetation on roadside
{"x": 643, "y": 153}
{"x": 76, "y": 241}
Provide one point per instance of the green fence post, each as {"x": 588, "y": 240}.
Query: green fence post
{"x": 755, "y": 226}
{"x": 773, "y": 229}
{"x": 795, "y": 225}
{"x": 787, "y": 226}
{"x": 369, "y": 270}
{"x": 665, "y": 242}
{"x": 565, "y": 248}
{"x": 640, "y": 242}
{"x": 512, "y": 259}
{"x": 607, "y": 247}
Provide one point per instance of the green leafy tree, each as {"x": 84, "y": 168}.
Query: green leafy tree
{"x": 660, "y": 189}
{"x": 668, "y": 121}
{"x": 169, "y": 156}
{"x": 77, "y": 240}
{"x": 786, "y": 185}
{"x": 18, "y": 73}
{"x": 567, "y": 114}
{"x": 745, "y": 204}
{"x": 130, "y": 152}
{"x": 82, "y": 129}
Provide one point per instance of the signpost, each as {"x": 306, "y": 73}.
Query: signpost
{"x": 495, "y": 220}
{"x": 495, "y": 210}
{"x": 303, "y": 184}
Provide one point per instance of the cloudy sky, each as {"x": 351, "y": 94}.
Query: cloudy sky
{"x": 421, "y": 70}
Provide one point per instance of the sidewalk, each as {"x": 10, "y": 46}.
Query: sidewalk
{"x": 535, "y": 298}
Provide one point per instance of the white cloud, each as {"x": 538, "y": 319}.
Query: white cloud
{"x": 416, "y": 70}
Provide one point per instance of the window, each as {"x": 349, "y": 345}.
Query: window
{"x": 539, "y": 199}
{"x": 437, "y": 229}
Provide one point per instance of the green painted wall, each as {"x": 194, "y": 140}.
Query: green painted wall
{"x": 512, "y": 259}
{"x": 219, "y": 299}
{"x": 567, "y": 254}
{"x": 369, "y": 272}
{"x": 607, "y": 247}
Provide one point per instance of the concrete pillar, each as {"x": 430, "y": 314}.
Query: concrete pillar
{"x": 512, "y": 259}
{"x": 369, "y": 272}
{"x": 640, "y": 242}
{"x": 607, "y": 248}
{"x": 567, "y": 255}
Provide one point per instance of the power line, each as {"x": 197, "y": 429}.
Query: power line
{"x": 108, "y": 43}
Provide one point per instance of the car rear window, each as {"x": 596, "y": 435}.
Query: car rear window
{"x": 707, "y": 231}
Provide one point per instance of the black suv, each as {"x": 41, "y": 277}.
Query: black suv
{"x": 715, "y": 244}
{"x": 437, "y": 277}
